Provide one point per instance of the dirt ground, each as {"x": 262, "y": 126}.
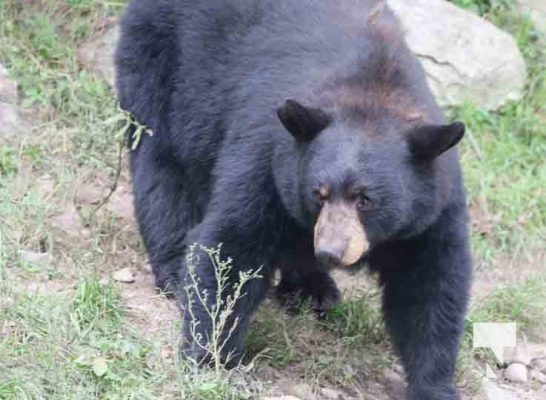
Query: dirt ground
{"x": 154, "y": 315}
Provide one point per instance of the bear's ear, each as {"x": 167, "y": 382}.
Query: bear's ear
{"x": 302, "y": 122}
{"x": 428, "y": 142}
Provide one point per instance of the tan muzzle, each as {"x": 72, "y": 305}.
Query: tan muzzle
{"x": 340, "y": 239}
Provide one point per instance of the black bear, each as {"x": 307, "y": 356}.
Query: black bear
{"x": 301, "y": 135}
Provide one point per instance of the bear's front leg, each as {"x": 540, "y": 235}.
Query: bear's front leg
{"x": 217, "y": 299}
{"x": 426, "y": 284}
{"x": 249, "y": 226}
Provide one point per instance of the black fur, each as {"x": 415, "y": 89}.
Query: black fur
{"x": 208, "y": 78}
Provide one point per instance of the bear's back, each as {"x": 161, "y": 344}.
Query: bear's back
{"x": 249, "y": 56}
{"x": 203, "y": 72}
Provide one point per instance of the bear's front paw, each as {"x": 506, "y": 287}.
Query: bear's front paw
{"x": 427, "y": 392}
{"x": 196, "y": 355}
{"x": 201, "y": 357}
{"x": 319, "y": 291}
{"x": 167, "y": 286}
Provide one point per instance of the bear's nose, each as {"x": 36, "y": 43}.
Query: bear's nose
{"x": 329, "y": 257}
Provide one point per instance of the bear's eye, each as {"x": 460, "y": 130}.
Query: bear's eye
{"x": 364, "y": 203}
{"x": 320, "y": 195}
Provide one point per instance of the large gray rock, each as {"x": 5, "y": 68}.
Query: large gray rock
{"x": 465, "y": 57}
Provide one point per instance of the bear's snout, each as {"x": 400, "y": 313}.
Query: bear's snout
{"x": 340, "y": 240}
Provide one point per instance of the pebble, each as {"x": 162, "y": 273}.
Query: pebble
{"x": 539, "y": 364}
{"x": 538, "y": 376}
{"x": 35, "y": 258}
{"x": 124, "y": 275}
{"x": 302, "y": 390}
{"x": 330, "y": 394}
{"x": 516, "y": 372}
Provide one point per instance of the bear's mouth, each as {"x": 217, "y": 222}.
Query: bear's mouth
{"x": 340, "y": 240}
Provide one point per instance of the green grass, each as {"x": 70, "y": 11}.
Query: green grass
{"x": 521, "y": 303}
{"x": 485, "y": 7}
{"x": 359, "y": 318}
{"x": 79, "y": 345}
{"x": 524, "y": 304}
{"x": 66, "y": 331}
{"x": 71, "y": 346}
{"x": 345, "y": 349}
{"x": 503, "y": 159}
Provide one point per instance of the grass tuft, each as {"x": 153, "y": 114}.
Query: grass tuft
{"x": 96, "y": 303}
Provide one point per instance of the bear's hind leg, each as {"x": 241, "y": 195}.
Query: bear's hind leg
{"x": 164, "y": 214}
{"x": 305, "y": 282}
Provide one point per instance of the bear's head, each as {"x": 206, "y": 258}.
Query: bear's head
{"x": 367, "y": 177}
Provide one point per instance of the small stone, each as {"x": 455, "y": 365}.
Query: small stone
{"x": 516, "y": 372}
{"x": 332, "y": 394}
{"x": 124, "y": 275}
{"x": 147, "y": 268}
{"x": 121, "y": 204}
{"x": 538, "y": 376}
{"x": 539, "y": 364}
{"x": 302, "y": 390}
{"x": 35, "y": 258}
